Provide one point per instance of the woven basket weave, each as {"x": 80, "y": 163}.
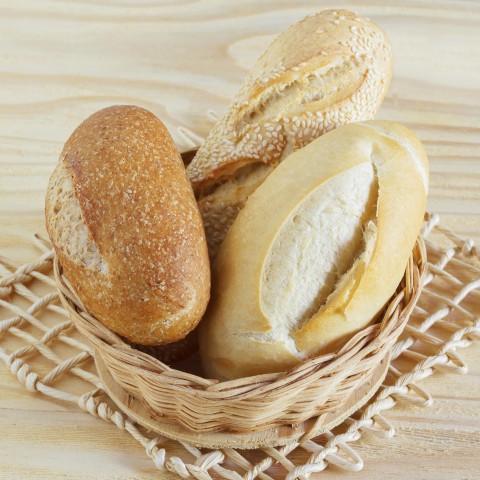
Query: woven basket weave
{"x": 316, "y": 387}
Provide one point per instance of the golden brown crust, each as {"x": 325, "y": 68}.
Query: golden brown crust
{"x": 325, "y": 71}
{"x": 138, "y": 205}
{"x": 237, "y": 338}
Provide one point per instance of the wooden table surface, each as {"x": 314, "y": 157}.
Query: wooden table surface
{"x": 62, "y": 60}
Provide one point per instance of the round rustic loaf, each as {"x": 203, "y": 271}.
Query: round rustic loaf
{"x": 122, "y": 217}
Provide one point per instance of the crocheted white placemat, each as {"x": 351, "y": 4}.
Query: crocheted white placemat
{"x": 445, "y": 319}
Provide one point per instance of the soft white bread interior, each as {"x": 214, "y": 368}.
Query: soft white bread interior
{"x": 317, "y": 251}
{"x": 122, "y": 217}
{"x": 325, "y": 71}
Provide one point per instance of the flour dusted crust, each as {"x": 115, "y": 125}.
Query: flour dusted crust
{"x": 243, "y": 332}
{"x": 325, "y": 71}
{"x": 123, "y": 219}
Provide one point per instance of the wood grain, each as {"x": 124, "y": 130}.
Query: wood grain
{"x": 62, "y": 60}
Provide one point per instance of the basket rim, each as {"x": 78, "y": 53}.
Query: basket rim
{"x": 111, "y": 342}
{"x": 312, "y": 389}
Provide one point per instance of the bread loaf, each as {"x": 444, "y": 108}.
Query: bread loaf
{"x": 327, "y": 70}
{"x": 122, "y": 217}
{"x": 317, "y": 251}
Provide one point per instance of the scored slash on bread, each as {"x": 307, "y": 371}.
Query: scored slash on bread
{"x": 327, "y": 70}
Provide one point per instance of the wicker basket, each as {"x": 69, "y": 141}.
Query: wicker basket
{"x": 205, "y": 407}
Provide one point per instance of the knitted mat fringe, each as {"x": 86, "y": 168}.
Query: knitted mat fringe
{"x": 34, "y": 326}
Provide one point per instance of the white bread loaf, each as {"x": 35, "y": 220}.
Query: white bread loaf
{"x": 317, "y": 251}
{"x": 122, "y": 217}
{"x": 325, "y": 71}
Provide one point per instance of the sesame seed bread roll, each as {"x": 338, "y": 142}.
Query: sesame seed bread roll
{"x": 325, "y": 71}
{"x": 317, "y": 251}
{"x": 122, "y": 217}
